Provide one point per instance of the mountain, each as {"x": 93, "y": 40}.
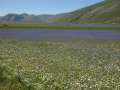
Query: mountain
{"x": 26, "y": 18}
{"x": 107, "y": 11}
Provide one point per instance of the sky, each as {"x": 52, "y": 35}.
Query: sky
{"x": 42, "y": 6}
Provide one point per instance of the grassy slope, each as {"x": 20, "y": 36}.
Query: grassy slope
{"x": 85, "y": 65}
{"x": 104, "y": 12}
{"x": 107, "y": 11}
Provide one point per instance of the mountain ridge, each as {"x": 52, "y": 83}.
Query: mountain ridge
{"x": 106, "y": 11}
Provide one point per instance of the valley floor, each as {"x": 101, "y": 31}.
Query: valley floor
{"x": 62, "y": 26}
{"x": 27, "y": 65}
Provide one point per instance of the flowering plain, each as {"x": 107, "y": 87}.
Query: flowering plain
{"x": 79, "y": 65}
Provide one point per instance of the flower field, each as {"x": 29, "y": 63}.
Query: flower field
{"x": 83, "y": 65}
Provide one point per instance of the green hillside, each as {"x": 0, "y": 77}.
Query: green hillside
{"x": 107, "y": 11}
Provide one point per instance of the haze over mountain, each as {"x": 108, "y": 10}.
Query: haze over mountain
{"x": 107, "y": 11}
{"x": 27, "y": 18}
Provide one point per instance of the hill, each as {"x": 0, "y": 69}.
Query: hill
{"x": 107, "y": 11}
{"x": 27, "y": 18}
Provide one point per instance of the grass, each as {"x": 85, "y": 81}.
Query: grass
{"x": 54, "y": 27}
{"x": 81, "y": 65}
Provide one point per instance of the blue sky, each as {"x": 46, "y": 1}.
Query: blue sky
{"x": 42, "y": 6}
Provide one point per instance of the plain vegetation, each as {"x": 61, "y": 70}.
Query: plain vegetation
{"x": 53, "y": 27}
{"x": 80, "y": 65}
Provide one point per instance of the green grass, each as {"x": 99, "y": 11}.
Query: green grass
{"x": 54, "y": 27}
{"x": 81, "y": 65}
{"x": 97, "y": 13}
